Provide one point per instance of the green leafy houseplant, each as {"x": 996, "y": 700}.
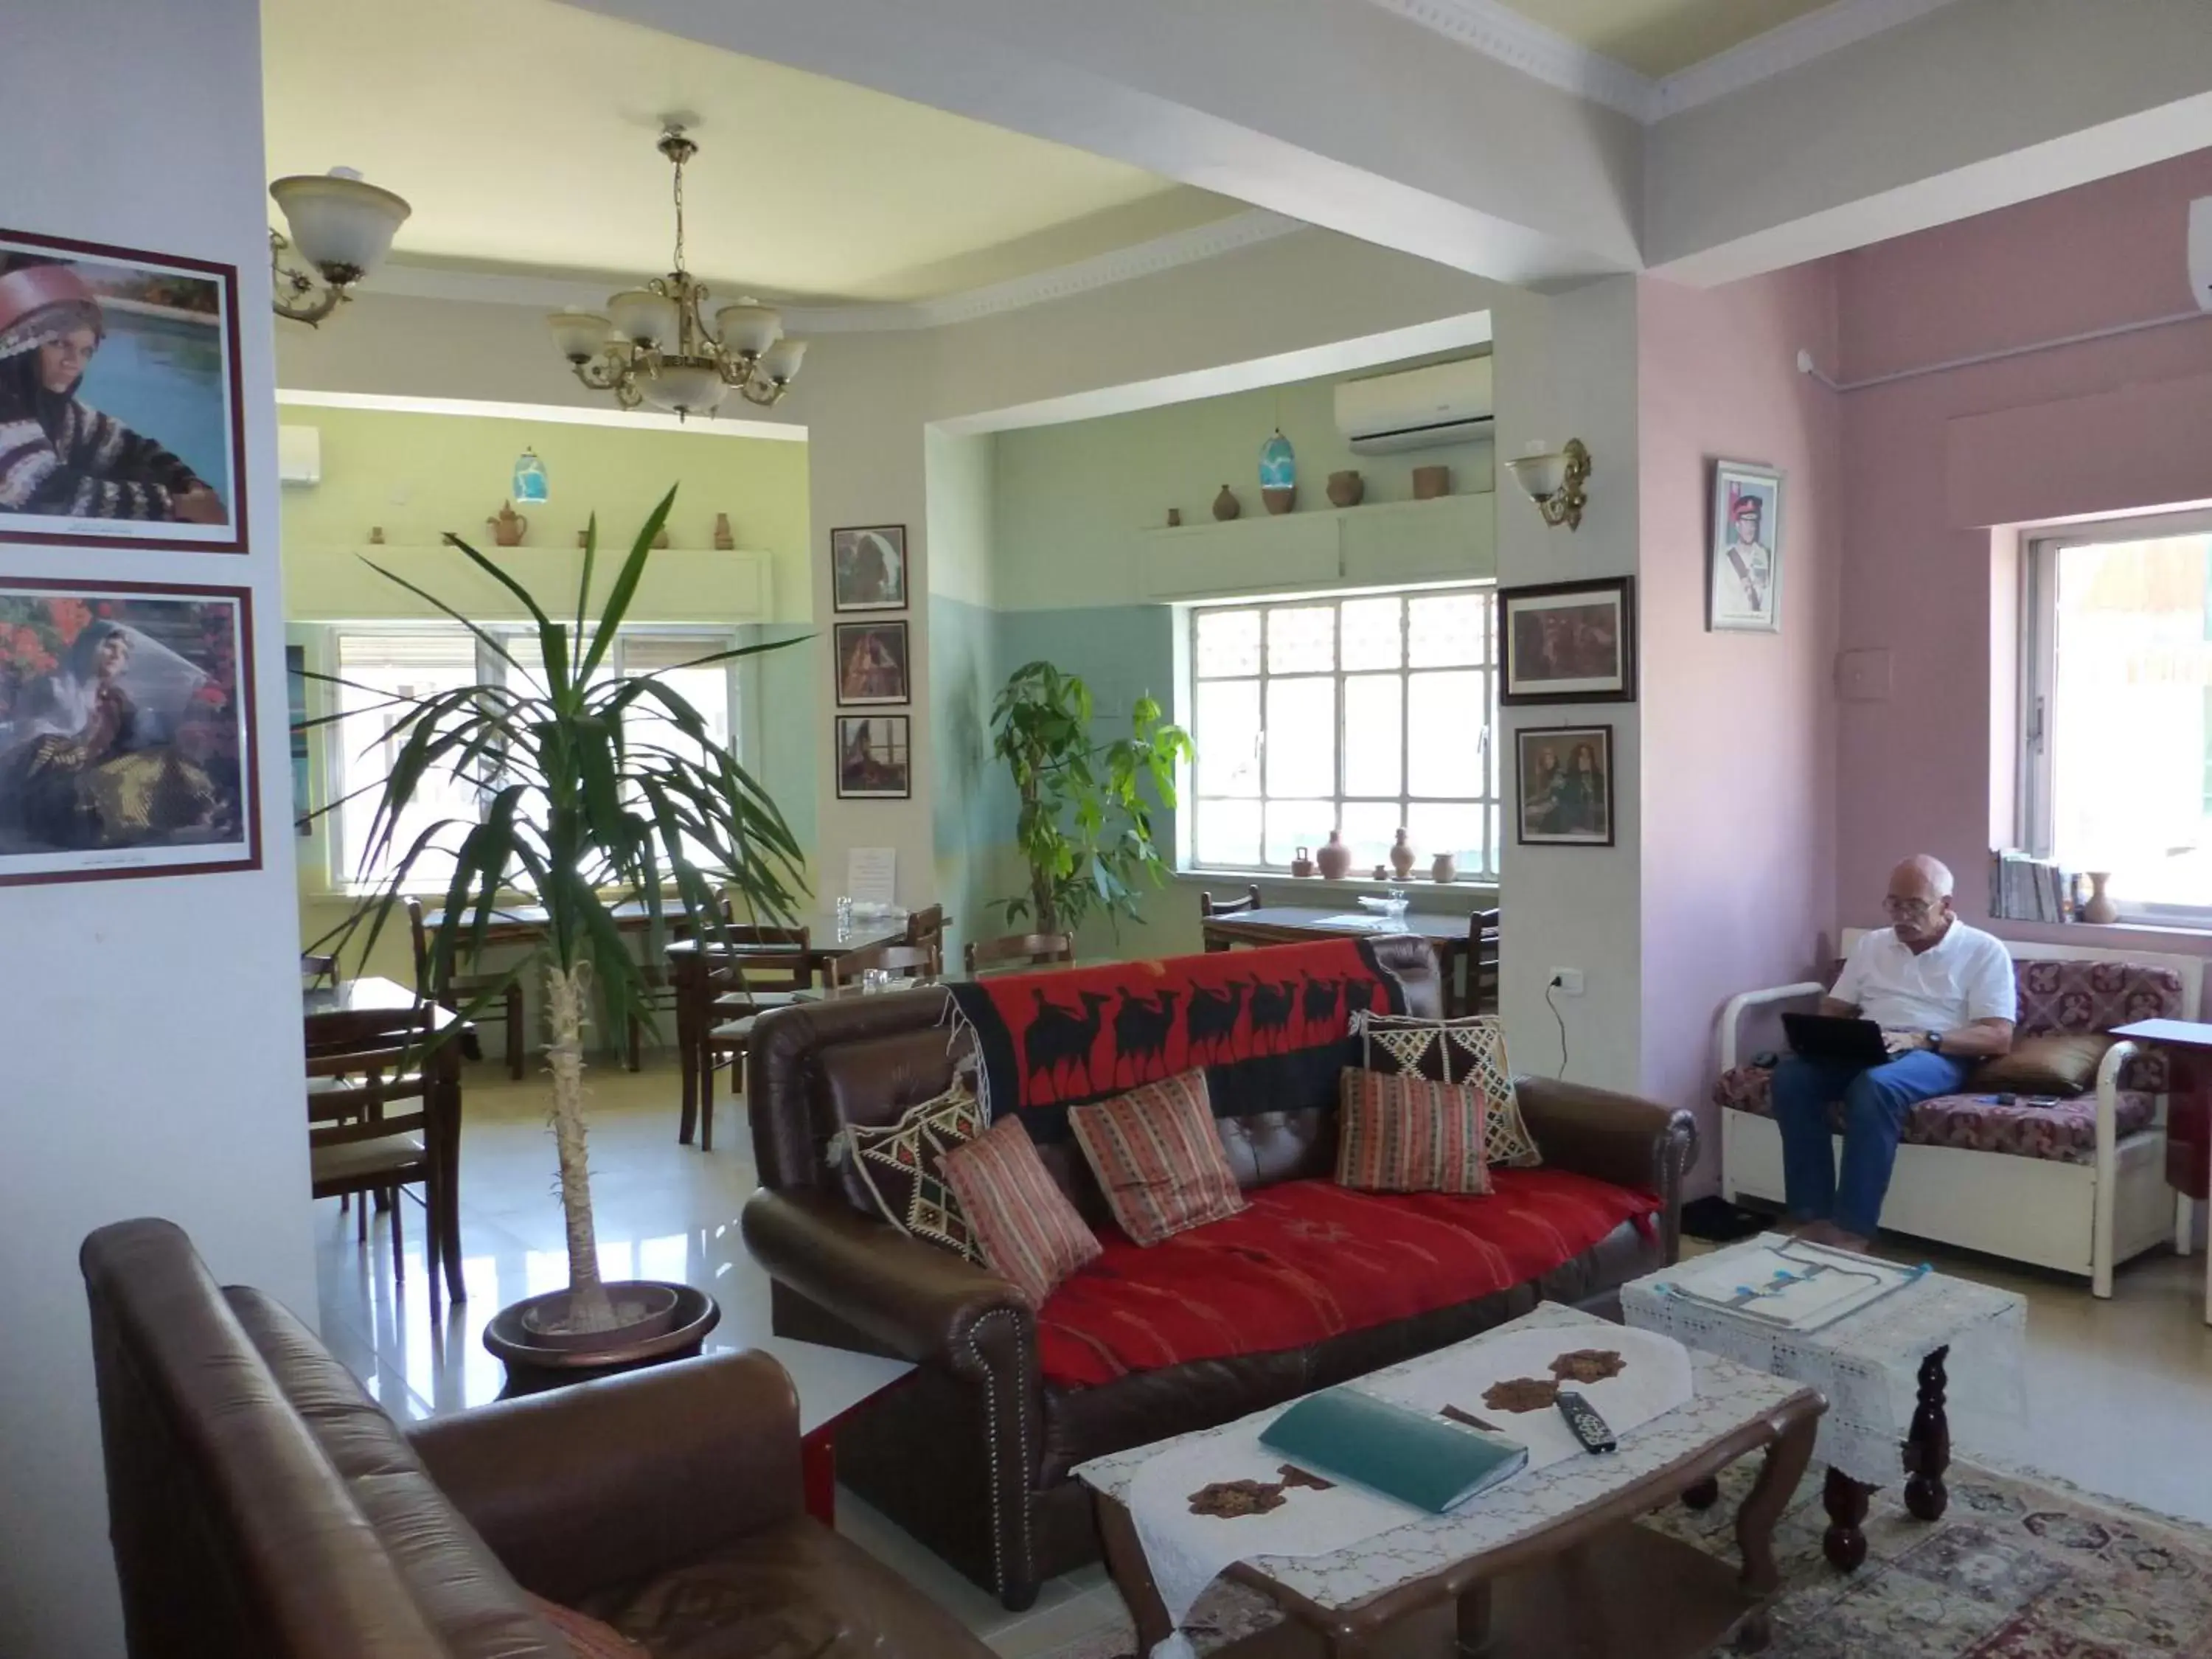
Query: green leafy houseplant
{"x": 1085, "y": 829}
{"x": 580, "y": 815}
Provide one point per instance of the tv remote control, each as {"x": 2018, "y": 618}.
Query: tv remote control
{"x": 1587, "y": 1425}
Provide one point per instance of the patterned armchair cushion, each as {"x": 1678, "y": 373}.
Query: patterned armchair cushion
{"x": 2065, "y": 1132}
{"x": 2058, "y": 995}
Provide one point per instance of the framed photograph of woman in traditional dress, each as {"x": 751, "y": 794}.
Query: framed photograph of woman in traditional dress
{"x": 119, "y": 418}
{"x": 872, "y": 663}
{"x": 1564, "y": 786}
{"x": 875, "y": 760}
{"x": 867, "y": 569}
{"x": 1744, "y": 587}
{"x": 126, "y": 730}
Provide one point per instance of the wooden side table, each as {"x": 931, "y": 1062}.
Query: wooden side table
{"x": 2188, "y": 1046}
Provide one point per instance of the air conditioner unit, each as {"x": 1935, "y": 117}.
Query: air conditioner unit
{"x": 300, "y": 454}
{"x": 1416, "y": 408}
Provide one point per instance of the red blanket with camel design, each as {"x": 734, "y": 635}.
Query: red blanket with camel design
{"x": 1270, "y": 1027}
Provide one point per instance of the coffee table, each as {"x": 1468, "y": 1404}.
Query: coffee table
{"x": 1887, "y": 1371}
{"x": 1551, "y": 1561}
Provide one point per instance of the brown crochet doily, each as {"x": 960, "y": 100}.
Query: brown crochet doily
{"x": 1588, "y": 1365}
{"x": 1231, "y": 1500}
{"x": 1521, "y": 1394}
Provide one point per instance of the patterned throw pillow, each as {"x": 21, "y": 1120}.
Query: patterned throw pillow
{"x": 587, "y": 1637}
{"x": 1030, "y": 1233}
{"x": 1401, "y": 1133}
{"x": 1159, "y": 1156}
{"x": 900, "y": 1165}
{"x": 1470, "y": 1050}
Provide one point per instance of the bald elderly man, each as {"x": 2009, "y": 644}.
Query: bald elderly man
{"x": 1942, "y": 993}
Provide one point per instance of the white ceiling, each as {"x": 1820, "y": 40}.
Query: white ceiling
{"x": 1658, "y": 38}
{"x": 522, "y": 132}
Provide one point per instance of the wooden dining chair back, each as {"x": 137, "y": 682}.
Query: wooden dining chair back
{"x": 900, "y": 961}
{"x": 369, "y": 1129}
{"x": 751, "y": 969}
{"x": 925, "y": 927}
{"x": 1017, "y": 951}
{"x": 1480, "y": 996}
{"x": 1210, "y": 907}
{"x": 458, "y": 990}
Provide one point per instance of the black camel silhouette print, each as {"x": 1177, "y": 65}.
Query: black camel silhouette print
{"x": 1211, "y": 1018}
{"x": 1060, "y": 1039}
{"x": 1142, "y": 1026}
{"x": 1271, "y": 1011}
{"x": 1319, "y": 1000}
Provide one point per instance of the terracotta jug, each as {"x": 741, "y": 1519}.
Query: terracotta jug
{"x": 725, "y": 538}
{"x": 1302, "y": 865}
{"x": 1346, "y": 488}
{"x": 2100, "y": 908}
{"x": 1226, "y": 505}
{"x": 1432, "y": 481}
{"x": 509, "y": 527}
{"x": 1446, "y": 868}
{"x": 1335, "y": 858}
{"x": 1401, "y": 857}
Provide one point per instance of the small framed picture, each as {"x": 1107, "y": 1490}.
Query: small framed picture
{"x": 126, "y": 730}
{"x": 119, "y": 417}
{"x": 874, "y": 762}
{"x": 1744, "y": 584}
{"x": 871, "y": 663}
{"x": 1564, "y": 786}
{"x": 867, "y": 569}
{"x": 1569, "y": 642}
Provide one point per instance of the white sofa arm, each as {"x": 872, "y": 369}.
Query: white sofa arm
{"x": 1732, "y": 1014}
{"x": 2104, "y": 1220}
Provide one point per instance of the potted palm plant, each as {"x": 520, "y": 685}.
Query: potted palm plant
{"x": 580, "y": 815}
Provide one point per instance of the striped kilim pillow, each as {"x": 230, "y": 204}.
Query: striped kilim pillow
{"x": 1397, "y": 1133}
{"x": 1030, "y": 1233}
{"x": 1471, "y": 1050}
{"x": 1158, "y": 1156}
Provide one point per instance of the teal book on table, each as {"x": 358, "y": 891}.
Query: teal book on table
{"x": 1430, "y": 1462}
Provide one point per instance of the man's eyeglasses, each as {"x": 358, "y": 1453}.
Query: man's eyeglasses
{"x": 1907, "y": 909}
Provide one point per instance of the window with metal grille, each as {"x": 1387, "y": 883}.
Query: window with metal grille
{"x": 1363, "y": 716}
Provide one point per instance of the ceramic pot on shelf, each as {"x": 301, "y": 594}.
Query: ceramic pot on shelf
{"x": 508, "y": 527}
{"x": 1346, "y": 489}
{"x": 1382, "y": 872}
{"x": 1280, "y": 500}
{"x": 726, "y": 539}
{"x": 1335, "y": 858}
{"x": 1432, "y": 481}
{"x": 1445, "y": 869}
{"x": 1226, "y": 505}
{"x": 2100, "y": 908}
{"x": 1302, "y": 865}
{"x": 1278, "y": 474}
{"x": 1401, "y": 856}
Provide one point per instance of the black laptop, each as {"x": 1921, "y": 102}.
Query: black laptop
{"x": 1832, "y": 1036}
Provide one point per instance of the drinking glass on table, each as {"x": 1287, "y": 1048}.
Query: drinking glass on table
{"x": 844, "y": 916}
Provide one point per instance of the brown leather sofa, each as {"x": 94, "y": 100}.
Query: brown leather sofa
{"x": 972, "y": 1452}
{"x": 260, "y": 1503}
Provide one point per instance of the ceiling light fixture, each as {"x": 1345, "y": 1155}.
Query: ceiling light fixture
{"x": 342, "y": 226}
{"x": 654, "y": 344}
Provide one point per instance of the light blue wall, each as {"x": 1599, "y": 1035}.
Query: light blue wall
{"x": 781, "y": 723}
{"x": 972, "y": 804}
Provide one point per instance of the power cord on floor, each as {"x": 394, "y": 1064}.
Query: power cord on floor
{"x": 1552, "y": 986}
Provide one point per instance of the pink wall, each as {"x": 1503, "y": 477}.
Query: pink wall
{"x": 1738, "y": 853}
{"x": 1929, "y": 465}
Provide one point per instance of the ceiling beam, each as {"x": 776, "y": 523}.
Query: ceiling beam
{"x": 1335, "y": 111}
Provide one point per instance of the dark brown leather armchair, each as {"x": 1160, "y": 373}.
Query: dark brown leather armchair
{"x": 261, "y": 1503}
{"x": 972, "y": 1453}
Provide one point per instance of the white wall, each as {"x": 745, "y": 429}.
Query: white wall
{"x": 150, "y": 1027}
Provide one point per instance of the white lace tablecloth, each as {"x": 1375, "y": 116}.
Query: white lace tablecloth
{"x": 1358, "y": 1546}
{"x": 1867, "y": 1364}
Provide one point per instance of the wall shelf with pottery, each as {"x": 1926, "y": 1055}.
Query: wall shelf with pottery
{"x": 329, "y": 582}
{"x": 1455, "y": 536}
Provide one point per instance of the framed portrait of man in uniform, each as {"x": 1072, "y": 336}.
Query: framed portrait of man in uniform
{"x": 1744, "y": 583}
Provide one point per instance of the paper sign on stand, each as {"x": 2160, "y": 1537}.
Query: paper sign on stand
{"x": 872, "y": 875}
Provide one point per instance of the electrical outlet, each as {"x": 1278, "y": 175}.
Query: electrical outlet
{"x": 1567, "y": 981}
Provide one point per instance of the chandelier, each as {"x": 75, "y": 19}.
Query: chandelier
{"x": 653, "y": 345}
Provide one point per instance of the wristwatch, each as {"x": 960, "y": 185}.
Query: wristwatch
{"x": 1934, "y": 1041}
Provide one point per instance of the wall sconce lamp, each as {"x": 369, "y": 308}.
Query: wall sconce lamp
{"x": 341, "y": 225}
{"x": 1554, "y": 482}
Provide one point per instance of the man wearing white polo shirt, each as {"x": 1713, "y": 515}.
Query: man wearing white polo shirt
{"x": 1942, "y": 993}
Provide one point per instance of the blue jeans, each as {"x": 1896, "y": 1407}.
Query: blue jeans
{"x": 1875, "y": 1100}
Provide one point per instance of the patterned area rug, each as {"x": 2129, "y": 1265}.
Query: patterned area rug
{"x": 2017, "y": 1569}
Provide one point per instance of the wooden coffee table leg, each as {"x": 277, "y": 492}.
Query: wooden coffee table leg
{"x": 1702, "y": 1496}
{"x": 1844, "y": 1544}
{"x": 1779, "y": 1475}
{"x": 1126, "y": 1566}
{"x": 1927, "y": 1443}
{"x": 1475, "y": 1621}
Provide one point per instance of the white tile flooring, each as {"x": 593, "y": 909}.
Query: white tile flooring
{"x": 2119, "y": 1392}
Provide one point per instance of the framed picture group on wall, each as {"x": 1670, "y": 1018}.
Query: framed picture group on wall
{"x": 870, "y": 663}
{"x": 1566, "y": 642}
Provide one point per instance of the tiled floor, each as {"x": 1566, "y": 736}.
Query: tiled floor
{"x": 2119, "y": 1392}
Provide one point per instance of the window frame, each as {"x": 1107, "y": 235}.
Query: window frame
{"x": 2035, "y": 808}
{"x": 1488, "y": 805}
{"x": 325, "y": 653}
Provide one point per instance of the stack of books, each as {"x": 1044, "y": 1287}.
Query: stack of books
{"x": 2025, "y": 889}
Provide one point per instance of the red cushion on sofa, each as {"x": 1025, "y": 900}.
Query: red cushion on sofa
{"x": 1310, "y": 1260}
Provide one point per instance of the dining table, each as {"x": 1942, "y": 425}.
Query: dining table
{"x": 1295, "y": 924}
{"x": 352, "y": 1010}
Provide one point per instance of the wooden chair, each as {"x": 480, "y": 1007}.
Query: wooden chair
{"x": 901, "y": 961}
{"x": 1017, "y": 951}
{"x": 369, "y": 1130}
{"x": 1210, "y": 907}
{"x": 755, "y": 968}
{"x": 1480, "y": 996}
{"x": 465, "y": 988}
{"x": 925, "y": 927}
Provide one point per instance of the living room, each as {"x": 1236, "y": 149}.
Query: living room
{"x": 1965, "y": 358}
